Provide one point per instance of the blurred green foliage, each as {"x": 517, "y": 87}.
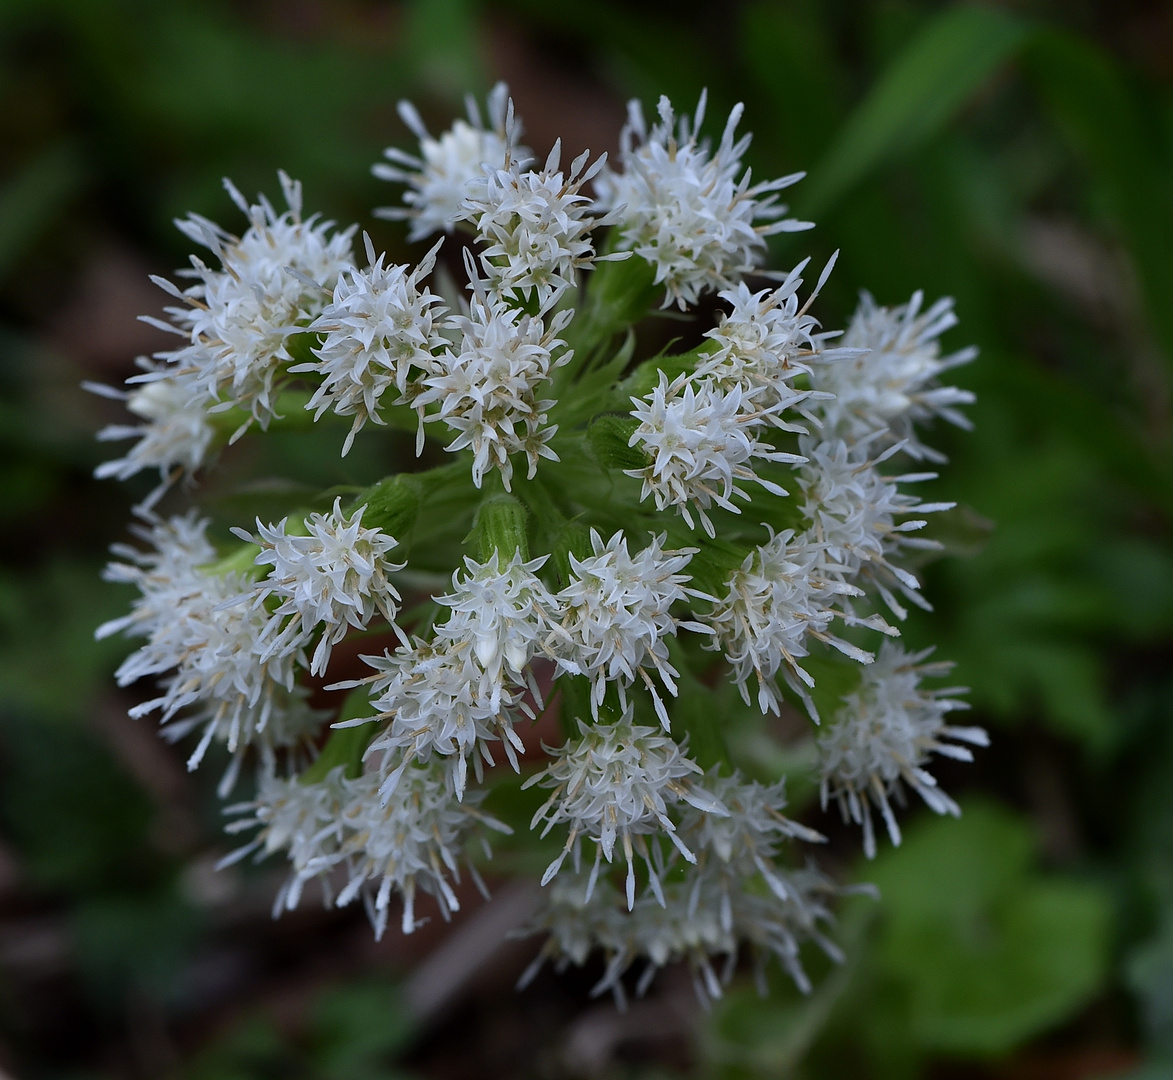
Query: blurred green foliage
{"x": 1000, "y": 155}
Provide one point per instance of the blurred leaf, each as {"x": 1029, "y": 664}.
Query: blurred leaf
{"x": 938, "y": 72}
{"x": 442, "y": 42}
{"x": 138, "y": 942}
{"x": 358, "y": 1028}
{"x": 31, "y": 199}
{"x": 988, "y": 953}
{"x": 1121, "y": 140}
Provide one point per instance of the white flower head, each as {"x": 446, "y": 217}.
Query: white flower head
{"x": 615, "y": 784}
{"x": 884, "y": 735}
{"x": 166, "y": 576}
{"x": 334, "y": 577}
{"x": 691, "y": 213}
{"x": 504, "y": 611}
{"x": 774, "y": 602}
{"x": 175, "y": 435}
{"x": 305, "y": 820}
{"x": 861, "y": 517}
{"x": 411, "y": 841}
{"x": 536, "y": 226}
{"x": 702, "y": 440}
{"x": 748, "y": 839}
{"x": 438, "y": 702}
{"x": 766, "y": 340}
{"x": 616, "y": 614}
{"x": 203, "y": 634}
{"x": 438, "y": 179}
{"x": 487, "y": 387}
{"x": 890, "y": 381}
{"x": 379, "y": 331}
{"x": 273, "y": 280}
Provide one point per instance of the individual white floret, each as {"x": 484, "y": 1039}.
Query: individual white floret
{"x": 504, "y": 612}
{"x": 486, "y": 389}
{"x": 616, "y": 615}
{"x": 777, "y": 599}
{"x": 702, "y": 440}
{"x": 884, "y": 735}
{"x": 408, "y": 842}
{"x": 174, "y": 438}
{"x": 536, "y": 226}
{"x": 438, "y": 179}
{"x": 333, "y": 577}
{"x": 615, "y": 784}
{"x": 438, "y": 702}
{"x": 891, "y": 383}
{"x": 854, "y": 510}
{"x": 379, "y": 331}
{"x": 271, "y": 284}
{"x": 305, "y": 820}
{"x": 691, "y": 213}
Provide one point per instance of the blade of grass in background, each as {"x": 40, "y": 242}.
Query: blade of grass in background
{"x": 937, "y": 73}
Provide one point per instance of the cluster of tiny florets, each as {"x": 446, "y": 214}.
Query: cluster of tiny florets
{"x": 605, "y": 536}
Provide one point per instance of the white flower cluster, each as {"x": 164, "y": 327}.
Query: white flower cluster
{"x": 732, "y": 515}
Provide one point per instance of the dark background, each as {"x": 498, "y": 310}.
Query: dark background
{"x": 1016, "y": 156}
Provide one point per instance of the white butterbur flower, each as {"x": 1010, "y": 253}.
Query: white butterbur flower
{"x": 536, "y": 225}
{"x": 892, "y": 382}
{"x": 408, "y": 842}
{"x": 165, "y": 576}
{"x": 767, "y": 340}
{"x": 333, "y": 577}
{"x": 702, "y": 440}
{"x": 615, "y": 784}
{"x": 379, "y": 331}
{"x": 695, "y": 920}
{"x": 748, "y": 839}
{"x": 303, "y": 819}
{"x": 691, "y": 213}
{"x": 505, "y": 612}
{"x": 174, "y": 438}
{"x": 487, "y": 388}
{"x": 884, "y": 736}
{"x": 853, "y": 509}
{"x": 616, "y": 615}
{"x": 436, "y": 698}
{"x": 774, "y": 602}
{"x": 272, "y": 282}
{"x": 438, "y": 180}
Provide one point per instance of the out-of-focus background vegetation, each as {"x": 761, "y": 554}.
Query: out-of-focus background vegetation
{"x": 1017, "y": 156}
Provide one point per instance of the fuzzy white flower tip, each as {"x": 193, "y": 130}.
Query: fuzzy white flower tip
{"x": 774, "y": 602}
{"x": 889, "y": 379}
{"x": 535, "y": 226}
{"x": 486, "y": 388}
{"x": 272, "y": 282}
{"x": 702, "y": 440}
{"x": 380, "y": 331}
{"x": 614, "y": 785}
{"x": 691, "y": 212}
{"x": 616, "y": 616}
{"x": 438, "y": 179}
{"x": 333, "y": 577}
{"x": 884, "y": 735}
